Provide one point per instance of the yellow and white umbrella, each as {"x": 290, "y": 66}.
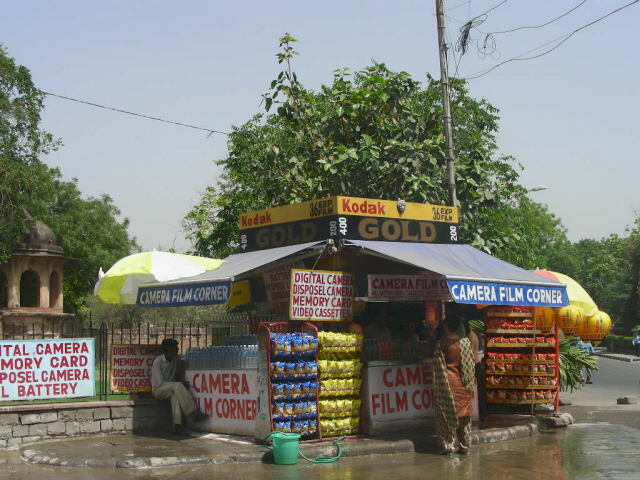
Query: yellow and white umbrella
{"x": 120, "y": 283}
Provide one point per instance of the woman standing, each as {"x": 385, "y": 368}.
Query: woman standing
{"x": 453, "y": 384}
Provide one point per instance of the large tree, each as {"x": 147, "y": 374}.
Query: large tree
{"x": 377, "y": 134}
{"x": 526, "y": 234}
{"x": 609, "y": 270}
{"x": 22, "y": 142}
{"x": 88, "y": 229}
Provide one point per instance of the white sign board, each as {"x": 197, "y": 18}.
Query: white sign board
{"x": 229, "y": 397}
{"x": 321, "y": 296}
{"x": 37, "y": 369}
{"x": 397, "y": 396}
{"x": 131, "y": 367}
{"x": 407, "y": 287}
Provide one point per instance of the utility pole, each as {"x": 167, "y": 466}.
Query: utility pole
{"x": 446, "y": 107}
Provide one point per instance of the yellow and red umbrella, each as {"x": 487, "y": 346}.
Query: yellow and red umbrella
{"x": 576, "y": 294}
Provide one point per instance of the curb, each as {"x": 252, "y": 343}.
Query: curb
{"x": 618, "y": 357}
{"x": 492, "y": 435}
{"x": 33, "y": 456}
{"x": 350, "y": 448}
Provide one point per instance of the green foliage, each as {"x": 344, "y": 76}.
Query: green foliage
{"x": 87, "y": 229}
{"x": 608, "y": 269}
{"x": 131, "y": 315}
{"x": 537, "y": 236}
{"x": 377, "y": 134}
{"x": 631, "y": 307}
{"x": 573, "y": 362}
{"x": 22, "y": 142}
{"x": 618, "y": 343}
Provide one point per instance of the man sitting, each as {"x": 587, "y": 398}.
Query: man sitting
{"x": 168, "y": 381}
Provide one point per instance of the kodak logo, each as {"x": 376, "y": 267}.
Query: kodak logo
{"x": 257, "y": 219}
{"x": 370, "y": 208}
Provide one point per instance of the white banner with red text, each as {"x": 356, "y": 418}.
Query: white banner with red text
{"x": 131, "y": 367}
{"x": 321, "y": 296}
{"x": 398, "y": 396}
{"x": 399, "y": 288}
{"x": 229, "y": 397}
{"x": 39, "y": 369}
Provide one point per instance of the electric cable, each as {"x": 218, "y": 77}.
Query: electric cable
{"x": 564, "y": 38}
{"x": 465, "y": 35}
{"x": 544, "y": 24}
{"x": 492, "y": 9}
{"x": 457, "y": 6}
{"x": 211, "y": 131}
{"x": 489, "y": 45}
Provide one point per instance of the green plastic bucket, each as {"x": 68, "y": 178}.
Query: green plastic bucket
{"x": 284, "y": 446}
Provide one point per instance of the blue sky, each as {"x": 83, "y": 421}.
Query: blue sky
{"x": 569, "y": 117}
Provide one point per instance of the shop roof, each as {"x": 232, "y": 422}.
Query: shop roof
{"x": 242, "y": 263}
{"x": 455, "y": 262}
{"x": 472, "y": 275}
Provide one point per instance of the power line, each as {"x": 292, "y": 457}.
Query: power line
{"x": 564, "y": 37}
{"x": 464, "y": 39}
{"x": 489, "y": 45}
{"x": 465, "y": 32}
{"x": 453, "y": 52}
{"x": 492, "y": 9}
{"x": 458, "y": 6}
{"x": 211, "y": 132}
{"x": 544, "y": 24}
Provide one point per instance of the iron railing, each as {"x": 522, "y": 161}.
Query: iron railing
{"x": 105, "y": 334}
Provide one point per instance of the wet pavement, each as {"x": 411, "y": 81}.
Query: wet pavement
{"x": 157, "y": 450}
{"x": 581, "y": 452}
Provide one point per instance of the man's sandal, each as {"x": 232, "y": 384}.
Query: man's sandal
{"x": 179, "y": 430}
{"x": 198, "y": 415}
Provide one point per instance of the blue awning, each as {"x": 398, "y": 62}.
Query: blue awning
{"x": 473, "y": 276}
{"x": 214, "y": 287}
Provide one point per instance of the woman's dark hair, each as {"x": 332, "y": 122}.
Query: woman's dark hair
{"x": 466, "y": 325}
{"x": 453, "y": 323}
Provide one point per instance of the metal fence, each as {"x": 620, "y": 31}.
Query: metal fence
{"x": 105, "y": 334}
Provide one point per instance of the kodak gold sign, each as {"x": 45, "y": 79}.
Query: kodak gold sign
{"x": 347, "y": 218}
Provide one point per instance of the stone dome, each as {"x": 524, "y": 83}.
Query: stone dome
{"x": 38, "y": 240}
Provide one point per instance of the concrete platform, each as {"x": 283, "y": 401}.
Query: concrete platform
{"x": 143, "y": 451}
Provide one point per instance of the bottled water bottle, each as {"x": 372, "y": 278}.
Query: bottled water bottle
{"x": 254, "y": 356}
{"x": 244, "y": 356}
{"x": 200, "y": 358}
{"x": 226, "y": 359}
{"x": 187, "y": 358}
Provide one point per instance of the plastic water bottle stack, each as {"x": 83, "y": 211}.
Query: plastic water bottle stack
{"x": 239, "y": 352}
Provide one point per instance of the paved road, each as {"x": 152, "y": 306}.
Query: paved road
{"x": 598, "y": 402}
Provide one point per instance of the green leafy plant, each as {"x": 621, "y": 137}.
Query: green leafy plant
{"x": 573, "y": 363}
{"x": 373, "y": 133}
